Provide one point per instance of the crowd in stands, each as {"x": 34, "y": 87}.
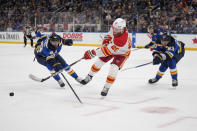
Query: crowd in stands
{"x": 178, "y": 16}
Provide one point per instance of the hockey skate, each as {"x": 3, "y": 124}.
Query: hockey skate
{"x": 153, "y": 80}
{"x": 104, "y": 91}
{"x": 174, "y": 82}
{"x": 86, "y": 80}
{"x": 61, "y": 83}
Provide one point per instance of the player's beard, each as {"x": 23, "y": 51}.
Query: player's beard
{"x": 117, "y": 34}
{"x": 55, "y": 45}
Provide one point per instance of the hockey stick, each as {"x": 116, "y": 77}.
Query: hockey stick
{"x": 71, "y": 88}
{"x": 136, "y": 66}
{"x": 35, "y": 78}
{"x": 136, "y": 49}
{"x": 76, "y": 62}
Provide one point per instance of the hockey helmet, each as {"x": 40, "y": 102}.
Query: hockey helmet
{"x": 165, "y": 38}
{"x": 54, "y": 38}
{"x": 119, "y": 25}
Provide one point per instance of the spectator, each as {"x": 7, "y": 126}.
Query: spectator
{"x": 179, "y": 14}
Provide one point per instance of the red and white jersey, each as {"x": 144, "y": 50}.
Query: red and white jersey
{"x": 118, "y": 45}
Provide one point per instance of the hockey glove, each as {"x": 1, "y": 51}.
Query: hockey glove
{"x": 107, "y": 40}
{"x": 157, "y": 58}
{"x": 69, "y": 42}
{"x": 57, "y": 67}
{"x": 149, "y": 45}
{"x": 89, "y": 54}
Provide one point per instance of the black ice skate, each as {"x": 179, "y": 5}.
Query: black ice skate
{"x": 174, "y": 82}
{"x": 86, "y": 80}
{"x": 61, "y": 83}
{"x": 153, "y": 80}
{"x": 104, "y": 91}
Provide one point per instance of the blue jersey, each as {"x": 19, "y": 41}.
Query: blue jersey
{"x": 45, "y": 50}
{"x": 39, "y": 34}
{"x": 169, "y": 56}
{"x": 47, "y": 54}
{"x": 156, "y": 37}
{"x": 173, "y": 48}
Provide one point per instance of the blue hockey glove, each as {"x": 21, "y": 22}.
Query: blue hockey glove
{"x": 156, "y": 60}
{"x": 69, "y": 42}
{"x": 58, "y": 67}
{"x": 149, "y": 45}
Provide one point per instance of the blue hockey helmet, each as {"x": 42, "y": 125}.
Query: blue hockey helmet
{"x": 54, "y": 38}
{"x": 165, "y": 38}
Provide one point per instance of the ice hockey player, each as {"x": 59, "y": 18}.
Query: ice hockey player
{"x": 39, "y": 32}
{"x": 155, "y": 36}
{"x": 116, "y": 46}
{"x": 28, "y": 34}
{"x": 168, "y": 55}
{"x": 47, "y": 54}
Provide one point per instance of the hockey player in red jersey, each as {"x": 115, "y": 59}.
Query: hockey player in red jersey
{"x": 116, "y": 46}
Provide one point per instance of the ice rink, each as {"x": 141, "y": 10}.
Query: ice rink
{"x": 131, "y": 105}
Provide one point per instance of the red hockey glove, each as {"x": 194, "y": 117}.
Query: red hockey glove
{"x": 106, "y": 40}
{"x": 89, "y": 54}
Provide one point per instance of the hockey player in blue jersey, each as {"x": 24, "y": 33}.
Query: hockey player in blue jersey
{"x": 155, "y": 36}
{"x": 47, "y": 53}
{"x": 39, "y": 33}
{"x": 168, "y": 54}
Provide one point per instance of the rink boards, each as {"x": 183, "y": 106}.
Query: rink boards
{"x": 95, "y": 39}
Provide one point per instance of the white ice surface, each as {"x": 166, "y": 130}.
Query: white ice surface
{"x": 131, "y": 105}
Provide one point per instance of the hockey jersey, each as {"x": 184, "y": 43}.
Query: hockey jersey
{"x": 45, "y": 49}
{"x": 39, "y": 33}
{"x": 115, "y": 45}
{"x": 173, "y": 48}
{"x": 156, "y": 37}
{"x": 156, "y": 40}
{"x": 28, "y": 30}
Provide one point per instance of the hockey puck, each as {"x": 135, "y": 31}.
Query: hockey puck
{"x": 11, "y": 93}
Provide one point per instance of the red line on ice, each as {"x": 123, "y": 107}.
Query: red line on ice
{"x": 176, "y": 121}
{"x": 101, "y": 111}
{"x": 124, "y": 102}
